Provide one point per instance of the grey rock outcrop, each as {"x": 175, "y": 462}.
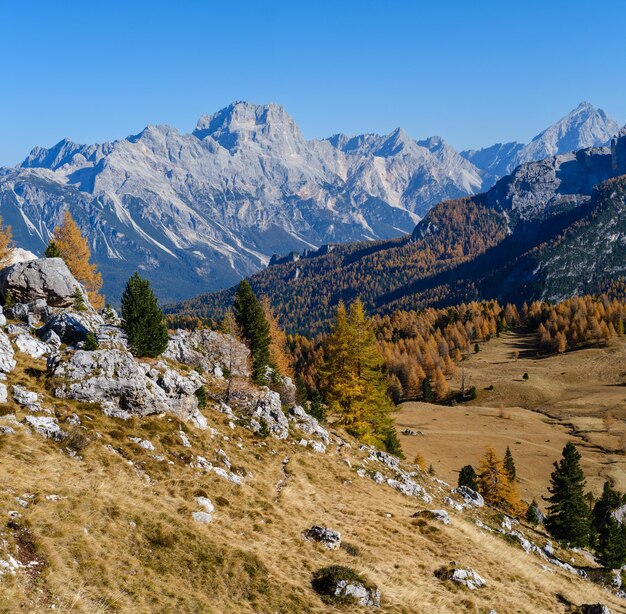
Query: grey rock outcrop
{"x": 213, "y": 352}
{"x": 45, "y": 278}
{"x": 262, "y": 407}
{"x": 46, "y": 426}
{"x": 307, "y": 423}
{"x": 7, "y": 355}
{"x": 33, "y": 347}
{"x": 124, "y": 386}
{"x": 471, "y": 497}
{"x": 71, "y": 327}
{"x": 323, "y": 535}
{"x": 466, "y": 577}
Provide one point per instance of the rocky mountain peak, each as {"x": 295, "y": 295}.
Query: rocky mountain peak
{"x": 244, "y": 121}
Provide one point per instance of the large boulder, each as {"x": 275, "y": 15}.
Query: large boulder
{"x": 124, "y": 386}
{"x": 44, "y": 278}
{"x": 71, "y": 327}
{"x": 213, "y": 352}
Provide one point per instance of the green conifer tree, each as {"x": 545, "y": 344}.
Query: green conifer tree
{"x": 142, "y": 319}
{"x": 612, "y": 544}
{"x": 468, "y": 477}
{"x": 53, "y": 251}
{"x": 533, "y": 514}
{"x": 428, "y": 396}
{"x": 254, "y": 328}
{"x": 568, "y": 518}
{"x": 509, "y": 464}
{"x": 302, "y": 396}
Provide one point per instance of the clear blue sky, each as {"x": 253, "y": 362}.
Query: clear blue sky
{"x": 472, "y": 72}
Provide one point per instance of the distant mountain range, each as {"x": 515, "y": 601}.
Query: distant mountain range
{"x": 197, "y": 212}
{"x": 551, "y": 229}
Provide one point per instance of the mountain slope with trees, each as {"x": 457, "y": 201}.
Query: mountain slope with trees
{"x": 552, "y": 229}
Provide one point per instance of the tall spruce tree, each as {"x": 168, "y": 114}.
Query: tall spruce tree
{"x": 468, "y": 477}
{"x": 354, "y": 382}
{"x": 568, "y": 518}
{"x": 142, "y": 319}
{"x": 509, "y": 464}
{"x": 610, "y": 535}
{"x": 254, "y": 329}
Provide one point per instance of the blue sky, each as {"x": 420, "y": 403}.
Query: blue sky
{"x": 472, "y": 72}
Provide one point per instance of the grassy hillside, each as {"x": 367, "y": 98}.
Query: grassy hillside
{"x": 104, "y": 525}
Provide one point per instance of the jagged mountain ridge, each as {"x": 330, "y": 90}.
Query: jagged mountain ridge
{"x": 196, "y": 212}
{"x": 552, "y": 229}
{"x": 584, "y": 127}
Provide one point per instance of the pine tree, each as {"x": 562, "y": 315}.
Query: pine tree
{"x": 612, "y": 544}
{"x": 52, "y": 251}
{"x": 74, "y": 250}
{"x": 468, "y": 477}
{"x": 509, "y": 464}
{"x": 533, "y": 514}
{"x": 143, "y": 320}
{"x": 568, "y": 518}
{"x": 427, "y": 391}
{"x": 611, "y": 535}
{"x": 255, "y": 330}
{"x": 302, "y": 395}
{"x": 317, "y": 407}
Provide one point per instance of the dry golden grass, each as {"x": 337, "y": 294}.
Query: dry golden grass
{"x": 121, "y": 538}
{"x": 567, "y": 397}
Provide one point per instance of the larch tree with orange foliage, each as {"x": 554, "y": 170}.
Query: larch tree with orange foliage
{"x": 75, "y": 251}
{"x": 495, "y": 485}
{"x": 279, "y": 355}
{"x": 6, "y": 240}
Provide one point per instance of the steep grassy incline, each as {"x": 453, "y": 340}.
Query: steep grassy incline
{"x": 102, "y": 523}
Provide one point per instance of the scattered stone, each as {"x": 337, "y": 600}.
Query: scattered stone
{"x": 143, "y": 443}
{"x": 184, "y": 439}
{"x": 307, "y": 423}
{"x": 73, "y": 419}
{"x": 33, "y": 347}
{"x": 227, "y": 475}
{"x": 26, "y": 398}
{"x": 453, "y": 504}
{"x": 4, "y": 394}
{"x": 318, "y": 446}
{"x": 342, "y": 585}
{"x": 7, "y": 360}
{"x": 465, "y": 577}
{"x": 440, "y": 515}
{"x": 47, "y": 427}
{"x": 202, "y": 517}
{"x": 471, "y": 497}
{"x": 206, "y": 504}
{"x": 323, "y": 535}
